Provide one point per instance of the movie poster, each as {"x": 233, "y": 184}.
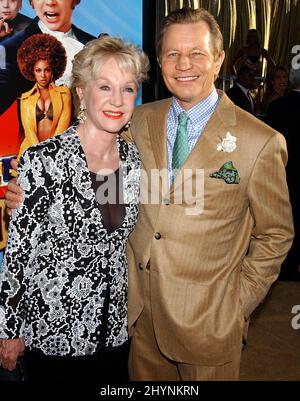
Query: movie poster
{"x": 90, "y": 17}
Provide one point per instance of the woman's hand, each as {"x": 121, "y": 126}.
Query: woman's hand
{"x": 10, "y": 350}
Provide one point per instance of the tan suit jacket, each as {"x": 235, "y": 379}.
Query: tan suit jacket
{"x": 209, "y": 271}
{"x": 61, "y": 99}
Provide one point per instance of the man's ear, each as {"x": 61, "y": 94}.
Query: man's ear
{"x": 219, "y": 62}
{"x": 159, "y": 63}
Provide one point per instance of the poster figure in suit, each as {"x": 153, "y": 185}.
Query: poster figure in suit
{"x": 46, "y": 108}
{"x": 11, "y": 21}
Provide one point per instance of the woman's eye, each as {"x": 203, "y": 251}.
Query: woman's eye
{"x": 104, "y": 88}
{"x": 130, "y": 90}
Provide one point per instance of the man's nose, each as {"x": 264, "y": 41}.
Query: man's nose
{"x": 50, "y": 2}
{"x": 183, "y": 63}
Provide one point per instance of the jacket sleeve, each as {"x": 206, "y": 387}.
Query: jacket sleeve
{"x": 272, "y": 233}
{"x": 8, "y": 86}
{"x": 23, "y": 237}
{"x": 127, "y": 135}
{"x": 65, "y": 118}
{"x": 28, "y": 124}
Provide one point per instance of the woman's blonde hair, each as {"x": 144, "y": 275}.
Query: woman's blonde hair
{"x": 89, "y": 61}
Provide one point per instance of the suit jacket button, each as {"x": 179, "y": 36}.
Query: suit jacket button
{"x": 140, "y": 266}
{"x": 157, "y": 236}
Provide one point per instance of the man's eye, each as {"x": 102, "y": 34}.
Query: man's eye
{"x": 173, "y": 55}
{"x": 196, "y": 54}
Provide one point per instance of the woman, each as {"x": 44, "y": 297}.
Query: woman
{"x": 277, "y": 86}
{"x": 64, "y": 280}
{"x": 252, "y": 54}
{"x": 46, "y": 108}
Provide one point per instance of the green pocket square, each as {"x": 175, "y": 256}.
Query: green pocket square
{"x": 228, "y": 173}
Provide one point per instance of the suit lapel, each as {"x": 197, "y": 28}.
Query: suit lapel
{"x": 57, "y": 107}
{"x": 32, "y": 28}
{"x": 157, "y": 126}
{"x": 215, "y": 130}
{"x": 206, "y": 147}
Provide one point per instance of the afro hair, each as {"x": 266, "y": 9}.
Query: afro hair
{"x": 41, "y": 46}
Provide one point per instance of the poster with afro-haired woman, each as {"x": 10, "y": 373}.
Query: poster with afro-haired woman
{"x": 35, "y": 97}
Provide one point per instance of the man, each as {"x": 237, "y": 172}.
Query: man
{"x": 198, "y": 270}
{"x": 283, "y": 115}
{"x": 54, "y": 17}
{"x": 195, "y": 278}
{"x": 11, "y": 21}
{"x": 240, "y": 92}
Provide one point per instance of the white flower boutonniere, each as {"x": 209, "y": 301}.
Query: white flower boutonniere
{"x": 228, "y": 144}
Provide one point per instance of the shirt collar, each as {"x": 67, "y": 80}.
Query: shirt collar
{"x": 195, "y": 114}
{"x": 57, "y": 34}
{"x": 242, "y": 88}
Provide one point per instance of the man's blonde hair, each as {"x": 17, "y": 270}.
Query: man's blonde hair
{"x": 191, "y": 16}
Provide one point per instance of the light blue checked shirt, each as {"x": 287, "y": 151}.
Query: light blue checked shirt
{"x": 198, "y": 118}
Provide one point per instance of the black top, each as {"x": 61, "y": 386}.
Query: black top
{"x": 40, "y": 114}
{"x": 109, "y": 196}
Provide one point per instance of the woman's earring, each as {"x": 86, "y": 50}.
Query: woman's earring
{"x": 127, "y": 126}
{"x": 81, "y": 117}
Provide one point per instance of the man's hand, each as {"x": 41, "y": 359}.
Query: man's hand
{"x": 10, "y": 350}
{"x": 5, "y": 30}
{"x": 13, "y": 196}
{"x": 14, "y": 193}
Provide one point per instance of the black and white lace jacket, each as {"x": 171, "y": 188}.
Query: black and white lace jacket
{"x": 60, "y": 260}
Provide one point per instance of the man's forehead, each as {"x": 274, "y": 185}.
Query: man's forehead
{"x": 186, "y": 35}
{"x": 181, "y": 32}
